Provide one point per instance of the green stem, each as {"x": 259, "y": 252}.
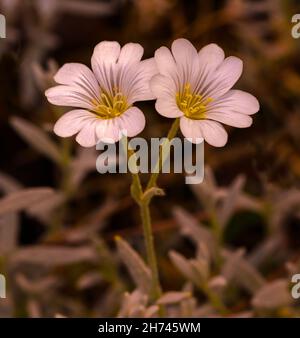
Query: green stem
{"x": 138, "y": 195}
{"x": 151, "y": 255}
{"x": 154, "y": 176}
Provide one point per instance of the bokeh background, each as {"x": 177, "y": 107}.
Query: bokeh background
{"x": 59, "y": 216}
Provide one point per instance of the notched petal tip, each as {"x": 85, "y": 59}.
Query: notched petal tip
{"x": 131, "y": 53}
{"x": 106, "y": 52}
{"x": 182, "y": 43}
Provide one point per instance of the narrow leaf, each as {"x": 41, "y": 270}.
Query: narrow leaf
{"x": 50, "y": 256}
{"x": 36, "y": 137}
{"x": 272, "y": 295}
{"x": 230, "y": 202}
{"x": 238, "y": 269}
{"x": 23, "y": 199}
{"x": 139, "y": 272}
{"x": 173, "y": 297}
{"x": 185, "y": 267}
{"x": 194, "y": 230}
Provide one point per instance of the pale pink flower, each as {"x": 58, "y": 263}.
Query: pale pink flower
{"x": 105, "y": 96}
{"x": 196, "y": 87}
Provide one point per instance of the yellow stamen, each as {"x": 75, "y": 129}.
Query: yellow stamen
{"x": 110, "y": 105}
{"x": 193, "y": 105}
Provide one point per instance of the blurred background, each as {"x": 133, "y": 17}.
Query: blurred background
{"x": 59, "y": 217}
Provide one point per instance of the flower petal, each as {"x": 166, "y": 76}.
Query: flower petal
{"x": 104, "y": 60}
{"x": 132, "y": 122}
{"x": 184, "y": 52}
{"x": 162, "y": 86}
{"x": 166, "y": 63}
{"x": 106, "y": 52}
{"x": 236, "y": 101}
{"x": 167, "y": 107}
{"x": 224, "y": 78}
{"x": 130, "y": 53}
{"x": 71, "y": 122}
{"x": 231, "y": 119}
{"x": 187, "y": 61}
{"x": 87, "y": 135}
{"x": 65, "y": 95}
{"x": 108, "y": 131}
{"x": 213, "y": 133}
{"x": 78, "y": 75}
{"x": 137, "y": 82}
{"x": 210, "y": 58}
{"x": 191, "y": 130}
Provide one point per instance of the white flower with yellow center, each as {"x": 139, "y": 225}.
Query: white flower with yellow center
{"x": 105, "y": 95}
{"x": 196, "y": 87}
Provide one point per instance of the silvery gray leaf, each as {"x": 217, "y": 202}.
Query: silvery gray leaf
{"x": 23, "y": 199}
{"x": 82, "y": 164}
{"x": 268, "y": 249}
{"x": 44, "y": 77}
{"x": 237, "y": 269}
{"x": 50, "y": 256}
{"x": 217, "y": 284}
{"x": 206, "y": 192}
{"x": 88, "y": 280}
{"x": 189, "y": 268}
{"x": 9, "y": 184}
{"x": 37, "y": 286}
{"x": 43, "y": 210}
{"x": 273, "y": 295}
{"x": 133, "y": 304}
{"x": 172, "y": 297}
{"x": 229, "y": 203}
{"x": 36, "y": 138}
{"x": 139, "y": 272}
{"x": 194, "y": 230}
{"x": 151, "y": 311}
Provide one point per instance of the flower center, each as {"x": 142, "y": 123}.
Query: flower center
{"x": 109, "y": 105}
{"x": 193, "y": 105}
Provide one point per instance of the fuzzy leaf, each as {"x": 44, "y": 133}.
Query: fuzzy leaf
{"x": 9, "y": 184}
{"x": 139, "y": 272}
{"x": 23, "y": 199}
{"x": 185, "y": 267}
{"x": 173, "y": 297}
{"x": 36, "y": 137}
{"x": 272, "y": 295}
{"x": 230, "y": 202}
{"x": 194, "y": 230}
{"x": 50, "y": 256}
{"x": 238, "y": 269}
{"x": 43, "y": 209}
